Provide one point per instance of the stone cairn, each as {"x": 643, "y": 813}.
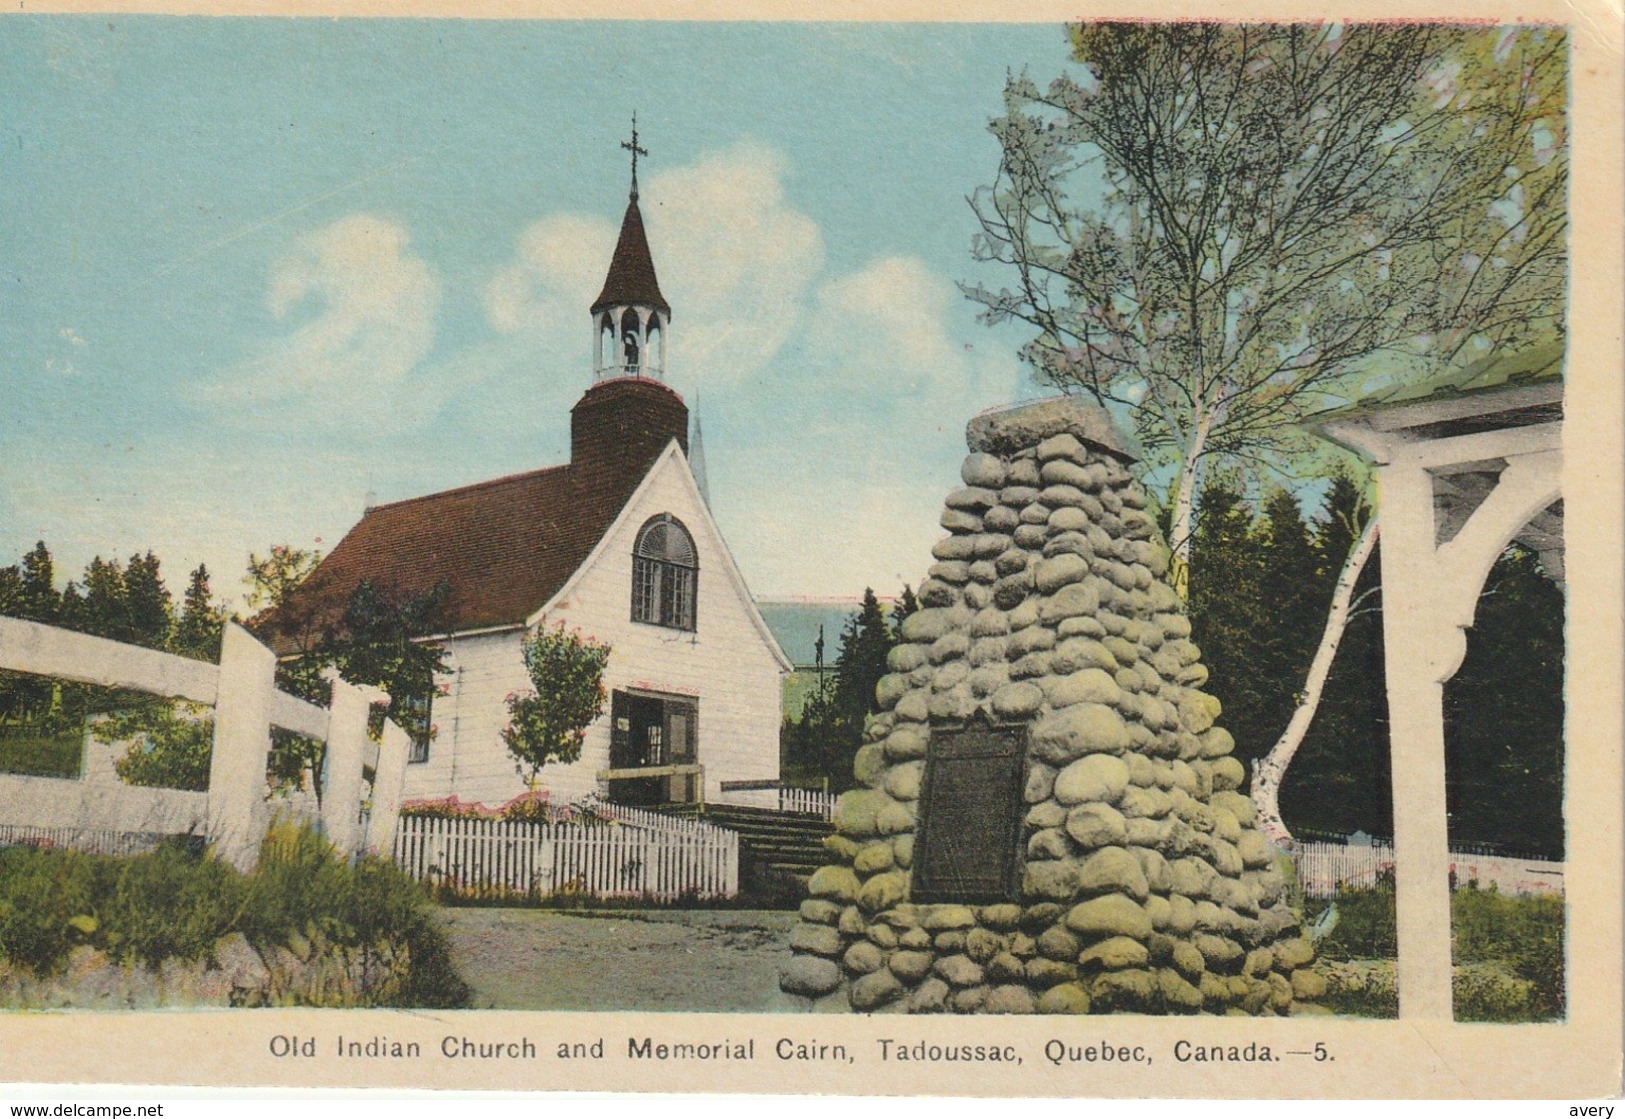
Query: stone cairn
{"x": 1143, "y": 884}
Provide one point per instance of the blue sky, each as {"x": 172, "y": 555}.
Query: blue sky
{"x": 256, "y": 268}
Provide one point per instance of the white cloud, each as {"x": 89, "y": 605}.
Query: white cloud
{"x": 368, "y": 305}
{"x": 62, "y": 362}
{"x": 884, "y": 333}
{"x": 878, "y": 415}
{"x": 735, "y": 260}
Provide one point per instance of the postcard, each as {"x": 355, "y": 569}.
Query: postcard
{"x": 996, "y": 550}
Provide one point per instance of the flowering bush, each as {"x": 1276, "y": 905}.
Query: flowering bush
{"x": 549, "y": 723}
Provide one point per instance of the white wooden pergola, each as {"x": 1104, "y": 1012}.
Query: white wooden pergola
{"x": 1465, "y": 465}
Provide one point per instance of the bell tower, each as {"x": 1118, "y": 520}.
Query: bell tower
{"x": 630, "y": 318}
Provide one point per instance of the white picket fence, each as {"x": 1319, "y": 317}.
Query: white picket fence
{"x": 808, "y": 802}
{"x": 94, "y": 841}
{"x": 1324, "y": 869}
{"x": 494, "y": 858}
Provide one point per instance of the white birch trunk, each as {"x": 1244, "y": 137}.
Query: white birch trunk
{"x": 1271, "y": 769}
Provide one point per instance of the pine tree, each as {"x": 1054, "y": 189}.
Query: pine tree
{"x": 147, "y": 602}
{"x": 1229, "y": 614}
{"x": 39, "y": 600}
{"x": 197, "y": 630}
{"x": 905, "y": 605}
{"x": 107, "y": 606}
{"x": 1504, "y": 715}
{"x": 1298, "y": 593}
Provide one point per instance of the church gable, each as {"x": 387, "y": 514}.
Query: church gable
{"x": 626, "y": 577}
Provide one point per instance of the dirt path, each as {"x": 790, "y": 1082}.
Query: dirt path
{"x": 698, "y": 960}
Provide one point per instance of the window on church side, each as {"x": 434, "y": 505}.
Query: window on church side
{"x": 665, "y": 573}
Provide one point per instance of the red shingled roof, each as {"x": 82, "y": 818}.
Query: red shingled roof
{"x": 631, "y": 278}
{"x": 506, "y": 546}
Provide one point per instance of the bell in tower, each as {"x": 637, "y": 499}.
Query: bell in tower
{"x": 630, "y": 316}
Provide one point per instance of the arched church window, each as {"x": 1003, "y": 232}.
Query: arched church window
{"x": 665, "y": 574}
{"x": 653, "y": 341}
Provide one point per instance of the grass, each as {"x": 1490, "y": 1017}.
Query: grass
{"x": 175, "y": 904}
{"x": 42, "y": 755}
{"x": 1508, "y": 955}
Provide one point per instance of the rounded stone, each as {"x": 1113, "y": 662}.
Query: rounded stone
{"x": 1064, "y": 998}
{"x": 874, "y": 857}
{"x": 1072, "y": 600}
{"x": 895, "y": 819}
{"x": 930, "y": 997}
{"x": 1293, "y": 954}
{"x": 809, "y": 976}
{"x": 1110, "y": 915}
{"x": 1040, "y": 783}
{"x": 910, "y": 967}
{"x": 1045, "y": 972}
{"x": 1046, "y": 814}
{"x": 1083, "y": 728}
{"x": 819, "y": 911}
{"x": 903, "y": 780}
{"x": 982, "y": 469}
{"x": 906, "y": 742}
{"x": 819, "y": 940}
{"x": 1090, "y": 685}
{"x": 1131, "y": 989}
{"x": 836, "y": 883}
{"x": 1017, "y": 701}
{"x": 1050, "y": 878}
{"x": 961, "y": 971}
{"x": 942, "y": 918}
{"x": 1058, "y": 943}
{"x": 1009, "y": 999}
{"x": 1198, "y": 710}
{"x": 1097, "y": 778}
{"x": 874, "y": 990}
{"x": 1056, "y": 572}
{"x": 1113, "y": 953}
{"x": 982, "y": 944}
{"x": 1228, "y": 774}
{"x": 1308, "y": 984}
{"x": 990, "y": 623}
{"x": 1048, "y": 843}
{"x": 863, "y": 957}
{"x": 857, "y": 811}
{"x": 1096, "y": 824}
{"x": 1113, "y": 869}
{"x": 1064, "y": 445}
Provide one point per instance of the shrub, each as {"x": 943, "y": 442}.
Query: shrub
{"x": 48, "y": 903}
{"x": 172, "y": 903}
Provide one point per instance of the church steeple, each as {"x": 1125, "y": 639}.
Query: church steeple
{"x": 630, "y": 316}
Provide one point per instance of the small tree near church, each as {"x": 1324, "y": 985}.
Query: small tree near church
{"x": 549, "y": 723}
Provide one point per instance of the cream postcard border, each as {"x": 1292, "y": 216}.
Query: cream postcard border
{"x": 1580, "y": 1057}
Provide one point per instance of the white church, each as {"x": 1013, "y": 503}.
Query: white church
{"x": 617, "y": 543}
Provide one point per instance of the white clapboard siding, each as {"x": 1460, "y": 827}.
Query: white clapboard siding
{"x": 484, "y": 858}
{"x": 1325, "y": 869}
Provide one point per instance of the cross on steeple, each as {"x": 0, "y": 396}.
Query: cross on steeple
{"x": 636, "y": 151}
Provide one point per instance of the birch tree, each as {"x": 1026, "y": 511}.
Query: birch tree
{"x": 1221, "y": 229}
{"x": 1215, "y": 228}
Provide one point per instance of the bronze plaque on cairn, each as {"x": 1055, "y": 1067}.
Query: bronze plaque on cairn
{"x": 969, "y": 837}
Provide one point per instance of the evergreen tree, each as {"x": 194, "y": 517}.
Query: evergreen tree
{"x": 1298, "y": 590}
{"x": 106, "y": 610}
{"x": 147, "y": 602}
{"x": 11, "y": 591}
{"x": 1229, "y": 614}
{"x": 906, "y": 604}
{"x": 197, "y": 630}
{"x": 1504, "y": 715}
{"x": 38, "y": 597}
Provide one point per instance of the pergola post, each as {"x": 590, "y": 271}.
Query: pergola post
{"x": 1412, "y": 636}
